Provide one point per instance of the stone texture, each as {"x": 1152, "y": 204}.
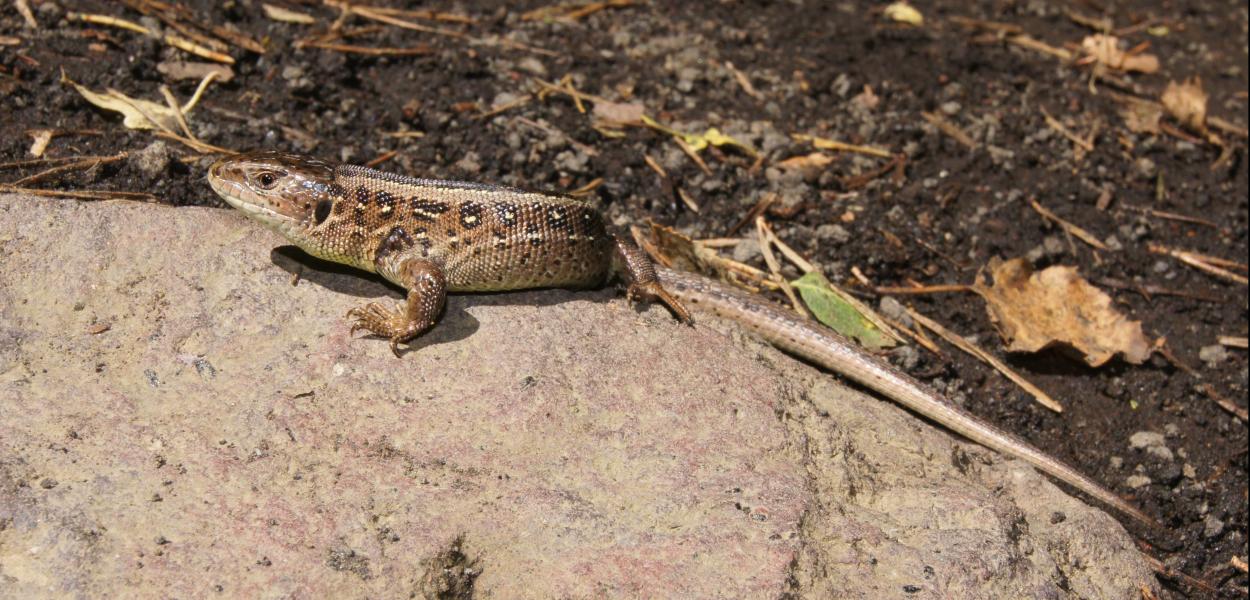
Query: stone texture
{"x": 178, "y": 420}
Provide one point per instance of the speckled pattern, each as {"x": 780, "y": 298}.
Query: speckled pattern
{"x": 431, "y": 236}
{"x": 485, "y": 238}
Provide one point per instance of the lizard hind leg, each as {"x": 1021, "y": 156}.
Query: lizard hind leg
{"x": 635, "y": 267}
{"x": 427, "y": 292}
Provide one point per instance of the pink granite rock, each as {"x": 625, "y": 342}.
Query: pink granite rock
{"x": 177, "y": 419}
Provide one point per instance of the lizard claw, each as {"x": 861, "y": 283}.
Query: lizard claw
{"x": 378, "y": 320}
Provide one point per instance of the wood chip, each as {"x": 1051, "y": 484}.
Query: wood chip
{"x": 286, "y": 15}
{"x": 39, "y": 142}
{"x": 1233, "y": 342}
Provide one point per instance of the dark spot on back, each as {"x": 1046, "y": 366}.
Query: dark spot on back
{"x": 386, "y": 201}
{"x": 470, "y": 215}
{"x": 362, "y": 195}
{"x": 427, "y": 210}
{"x": 558, "y": 218}
{"x": 506, "y": 212}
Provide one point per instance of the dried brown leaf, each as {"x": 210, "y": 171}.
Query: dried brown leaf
{"x": 1187, "y": 102}
{"x": 137, "y": 113}
{"x": 1057, "y": 307}
{"x": 1105, "y": 50}
{"x": 1142, "y": 117}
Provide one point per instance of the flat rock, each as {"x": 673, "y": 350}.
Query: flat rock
{"x": 178, "y": 420}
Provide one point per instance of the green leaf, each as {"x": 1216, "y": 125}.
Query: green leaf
{"x": 838, "y": 314}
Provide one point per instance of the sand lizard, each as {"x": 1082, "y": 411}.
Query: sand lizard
{"x": 431, "y": 237}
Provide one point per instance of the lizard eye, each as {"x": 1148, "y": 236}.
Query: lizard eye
{"x": 322, "y": 211}
{"x": 266, "y": 180}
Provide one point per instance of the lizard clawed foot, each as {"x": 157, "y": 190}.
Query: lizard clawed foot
{"x": 392, "y": 324}
{"x": 653, "y": 291}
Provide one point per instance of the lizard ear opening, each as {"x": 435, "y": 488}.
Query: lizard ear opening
{"x": 322, "y": 211}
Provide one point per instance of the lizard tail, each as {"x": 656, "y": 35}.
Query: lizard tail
{"x": 826, "y": 348}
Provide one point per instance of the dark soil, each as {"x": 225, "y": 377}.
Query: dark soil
{"x": 939, "y": 220}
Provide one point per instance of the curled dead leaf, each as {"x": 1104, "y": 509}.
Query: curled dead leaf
{"x": 1187, "y": 102}
{"x": 136, "y": 113}
{"x": 1105, "y": 50}
{"x": 1057, "y": 307}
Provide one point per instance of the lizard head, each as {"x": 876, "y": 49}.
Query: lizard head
{"x": 288, "y": 193}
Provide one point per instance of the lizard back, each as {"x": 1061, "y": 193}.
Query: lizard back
{"x": 487, "y": 238}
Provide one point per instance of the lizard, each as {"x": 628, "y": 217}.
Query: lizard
{"x": 431, "y": 237}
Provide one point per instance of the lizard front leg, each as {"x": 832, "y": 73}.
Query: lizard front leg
{"x": 427, "y": 292}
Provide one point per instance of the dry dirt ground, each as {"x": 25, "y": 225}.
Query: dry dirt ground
{"x": 984, "y": 107}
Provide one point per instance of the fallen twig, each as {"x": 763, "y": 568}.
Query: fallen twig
{"x": 1161, "y": 346}
{"x": 1210, "y": 264}
{"x": 170, "y": 39}
{"x": 828, "y": 144}
{"x": 418, "y": 50}
{"x": 921, "y": 290}
{"x": 760, "y": 206}
{"x": 1148, "y": 290}
{"x": 988, "y": 25}
{"x": 1071, "y": 228}
{"x": 766, "y": 236}
{"x": 1233, "y": 341}
{"x": 573, "y": 12}
{"x": 1025, "y": 41}
{"x": 1171, "y": 216}
{"x": 381, "y": 16}
{"x": 959, "y": 342}
{"x": 87, "y": 162}
{"x": 1086, "y": 145}
{"x": 949, "y": 129}
{"x": 79, "y": 194}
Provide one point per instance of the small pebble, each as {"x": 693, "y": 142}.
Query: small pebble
{"x": 1137, "y": 481}
{"x": 1213, "y": 355}
{"x": 1212, "y": 527}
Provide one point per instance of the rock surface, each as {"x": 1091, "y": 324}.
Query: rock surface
{"x": 177, "y": 419}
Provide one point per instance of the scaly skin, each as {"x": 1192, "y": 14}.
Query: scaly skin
{"x": 432, "y": 237}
